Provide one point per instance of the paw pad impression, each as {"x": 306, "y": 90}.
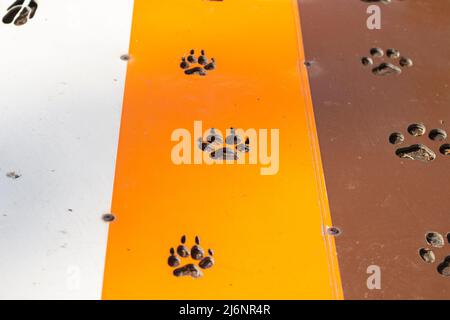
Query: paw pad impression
{"x": 200, "y": 260}
{"x": 420, "y": 152}
{"x": 200, "y": 65}
{"x": 436, "y": 240}
{"x": 19, "y": 13}
{"x": 394, "y": 65}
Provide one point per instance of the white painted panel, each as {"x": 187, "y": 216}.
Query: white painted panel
{"x": 61, "y": 91}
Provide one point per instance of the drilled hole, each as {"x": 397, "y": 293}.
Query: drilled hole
{"x": 396, "y": 138}
{"x": 333, "y": 231}
{"x": 125, "y": 57}
{"x": 427, "y": 255}
{"x": 435, "y": 239}
{"x": 109, "y": 217}
{"x": 417, "y": 129}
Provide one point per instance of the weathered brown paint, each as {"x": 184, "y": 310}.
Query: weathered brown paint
{"x": 384, "y": 205}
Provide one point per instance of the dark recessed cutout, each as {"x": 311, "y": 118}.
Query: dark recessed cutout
{"x": 406, "y": 62}
{"x": 109, "y": 217}
{"x": 393, "y": 53}
{"x": 376, "y": 52}
{"x": 396, "y": 138}
{"x": 435, "y": 239}
{"x": 445, "y": 149}
{"x": 196, "y": 253}
{"x": 438, "y": 135}
{"x": 417, "y": 129}
{"x": 20, "y": 13}
{"x": 333, "y": 231}
{"x": 418, "y": 152}
{"x": 444, "y": 267}
{"x": 427, "y": 255}
{"x": 366, "y": 61}
{"x": 193, "y": 65}
{"x": 388, "y": 65}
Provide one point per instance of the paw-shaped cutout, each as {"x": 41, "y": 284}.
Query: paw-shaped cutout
{"x": 232, "y": 148}
{"x": 200, "y": 65}
{"x": 436, "y": 240}
{"x": 393, "y": 65}
{"x": 420, "y": 151}
{"x": 199, "y": 260}
{"x": 20, "y": 11}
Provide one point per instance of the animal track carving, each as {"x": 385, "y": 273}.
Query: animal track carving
{"x": 436, "y": 240}
{"x": 395, "y": 66}
{"x": 197, "y": 65}
{"x": 200, "y": 260}
{"x": 19, "y": 13}
{"x": 419, "y": 151}
{"x": 232, "y": 149}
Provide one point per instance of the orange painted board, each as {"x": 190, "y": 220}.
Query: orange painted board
{"x": 267, "y": 231}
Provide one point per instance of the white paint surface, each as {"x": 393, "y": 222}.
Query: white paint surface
{"x": 61, "y": 92}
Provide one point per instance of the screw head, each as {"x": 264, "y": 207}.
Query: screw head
{"x": 333, "y": 231}
{"x": 108, "y": 217}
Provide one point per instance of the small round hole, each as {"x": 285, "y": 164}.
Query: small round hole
{"x": 438, "y": 135}
{"x": 125, "y": 57}
{"x": 333, "y": 231}
{"x": 417, "y": 129}
{"x": 396, "y": 138}
{"x": 108, "y": 217}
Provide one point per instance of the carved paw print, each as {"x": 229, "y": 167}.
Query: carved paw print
{"x": 197, "y": 65}
{"x": 232, "y": 149}
{"x": 20, "y": 11}
{"x": 419, "y": 151}
{"x": 436, "y": 240}
{"x": 394, "y": 66}
{"x": 196, "y": 253}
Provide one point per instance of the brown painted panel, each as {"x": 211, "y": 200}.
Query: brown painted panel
{"x": 383, "y": 204}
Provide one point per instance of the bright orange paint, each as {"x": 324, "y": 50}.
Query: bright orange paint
{"x": 266, "y": 231}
